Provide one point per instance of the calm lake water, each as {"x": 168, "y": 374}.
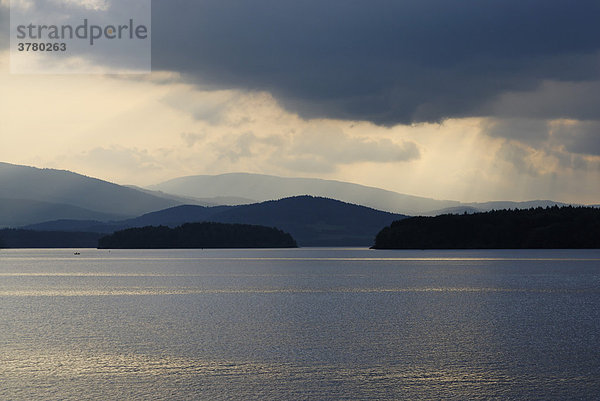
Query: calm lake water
{"x": 318, "y": 324}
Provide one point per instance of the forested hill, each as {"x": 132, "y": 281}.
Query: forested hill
{"x": 552, "y": 228}
{"x": 198, "y": 235}
{"x": 11, "y": 238}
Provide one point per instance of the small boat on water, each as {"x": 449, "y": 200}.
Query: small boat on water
{"x": 76, "y": 253}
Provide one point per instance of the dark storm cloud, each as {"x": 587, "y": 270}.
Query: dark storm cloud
{"x": 387, "y": 61}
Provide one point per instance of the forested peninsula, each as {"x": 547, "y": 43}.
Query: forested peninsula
{"x": 537, "y": 228}
{"x": 198, "y": 235}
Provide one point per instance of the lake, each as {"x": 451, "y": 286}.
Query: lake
{"x": 299, "y": 324}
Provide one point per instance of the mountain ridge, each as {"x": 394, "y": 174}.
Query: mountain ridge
{"x": 19, "y": 212}
{"x": 65, "y": 195}
{"x": 263, "y": 187}
{"x": 65, "y": 189}
{"x": 312, "y": 221}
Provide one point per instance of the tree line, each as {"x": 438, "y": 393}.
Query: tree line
{"x": 198, "y": 235}
{"x": 536, "y": 228}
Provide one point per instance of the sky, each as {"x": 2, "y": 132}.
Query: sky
{"x": 466, "y": 100}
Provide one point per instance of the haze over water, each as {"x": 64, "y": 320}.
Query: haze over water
{"x": 299, "y": 324}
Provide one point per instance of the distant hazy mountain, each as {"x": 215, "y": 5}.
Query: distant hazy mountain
{"x": 45, "y": 194}
{"x": 30, "y": 195}
{"x": 19, "y": 212}
{"x": 190, "y": 200}
{"x": 311, "y": 221}
{"x": 471, "y": 208}
{"x": 266, "y": 187}
{"x": 184, "y": 200}
{"x": 70, "y": 225}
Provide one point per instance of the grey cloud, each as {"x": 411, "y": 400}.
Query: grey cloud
{"x": 566, "y": 140}
{"x": 212, "y": 110}
{"x": 122, "y": 159}
{"x": 574, "y": 161}
{"x": 519, "y": 156}
{"x": 191, "y": 138}
{"x": 308, "y": 164}
{"x": 334, "y": 145}
{"x": 208, "y": 110}
{"x": 320, "y": 151}
{"x": 582, "y": 137}
{"x": 379, "y": 60}
{"x": 240, "y": 148}
{"x": 531, "y": 131}
{"x": 573, "y": 145}
{"x": 361, "y": 150}
{"x": 551, "y": 100}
